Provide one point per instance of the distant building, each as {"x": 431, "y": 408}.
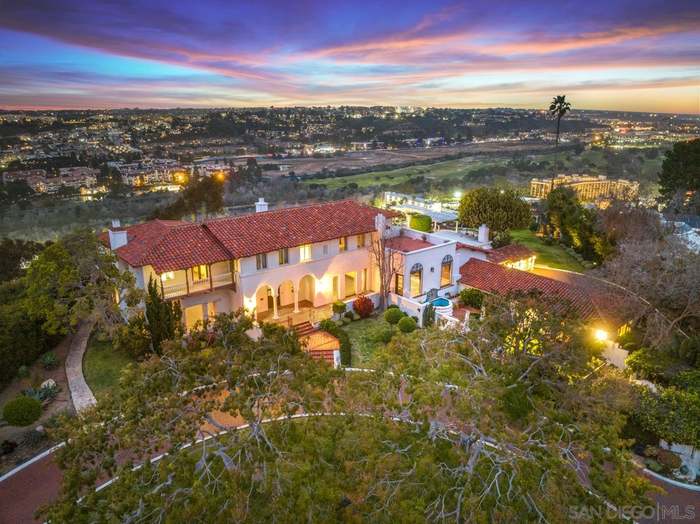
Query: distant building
{"x": 588, "y": 188}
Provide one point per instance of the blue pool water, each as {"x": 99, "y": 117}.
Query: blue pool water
{"x": 440, "y": 302}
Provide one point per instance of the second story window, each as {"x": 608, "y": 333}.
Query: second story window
{"x": 305, "y": 252}
{"x": 283, "y": 256}
{"x": 261, "y": 261}
{"x": 200, "y": 272}
{"x": 343, "y": 244}
{"x": 361, "y": 242}
{"x": 168, "y": 275}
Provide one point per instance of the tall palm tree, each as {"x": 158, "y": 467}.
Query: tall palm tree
{"x": 557, "y": 109}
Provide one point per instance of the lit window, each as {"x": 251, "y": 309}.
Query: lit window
{"x": 398, "y": 284}
{"x": 261, "y": 261}
{"x": 361, "y": 240}
{"x": 168, "y": 275}
{"x": 446, "y": 271}
{"x": 416, "y": 280}
{"x": 283, "y": 256}
{"x": 343, "y": 244}
{"x": 200, "y": 272}
{"x": 305, "y": 252}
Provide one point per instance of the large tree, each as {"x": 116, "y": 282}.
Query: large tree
{"x": 164, "y": 317}
{"x": 680, "y": 173}
{"x": 75, "y": 279}
{"x": 526, "y": 429}
{"x": 500, "y": 209}
{"x": 15, "y": 255}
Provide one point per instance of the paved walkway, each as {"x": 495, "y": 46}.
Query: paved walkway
{"x": 80, "y": 392}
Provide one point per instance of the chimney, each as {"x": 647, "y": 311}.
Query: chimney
{"x": 483, "y": 233}
{"x": 260, "y": 205}
{"x": 117, "y": 238}
{"x": 116, "y": 224}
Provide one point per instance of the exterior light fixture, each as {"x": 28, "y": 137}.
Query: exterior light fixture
{"x": 600, "y": 335}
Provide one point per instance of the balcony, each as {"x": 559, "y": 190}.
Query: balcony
{"x": 189, "y": 287}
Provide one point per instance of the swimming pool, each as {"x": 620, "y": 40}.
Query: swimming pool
{"x": 440, "y": 302}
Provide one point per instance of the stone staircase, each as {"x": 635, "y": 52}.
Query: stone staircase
{"x": 307, "y": 332}
{"x": 304, "y": 329}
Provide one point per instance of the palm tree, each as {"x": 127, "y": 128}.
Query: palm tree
{"x": 557, "y": 109}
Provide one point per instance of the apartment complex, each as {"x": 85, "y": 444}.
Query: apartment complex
{"x": 588, "y": 188}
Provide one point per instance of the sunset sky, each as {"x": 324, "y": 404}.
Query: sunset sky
{"x": 629, "y": 55}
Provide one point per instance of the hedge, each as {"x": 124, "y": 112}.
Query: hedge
{"x": 345, "y": 345}
{"x": 421, "y": 223}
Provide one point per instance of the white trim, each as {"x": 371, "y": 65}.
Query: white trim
{"x": 31, "y": 461}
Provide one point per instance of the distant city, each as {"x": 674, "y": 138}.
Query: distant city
{"x": 70, "y": 153}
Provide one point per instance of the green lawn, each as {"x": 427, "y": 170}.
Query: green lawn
{"x": 450, "y": 169}
{"x": 553, "y": 256}
{"x": 363, "y": 346}
{"x": 102, "y": 366}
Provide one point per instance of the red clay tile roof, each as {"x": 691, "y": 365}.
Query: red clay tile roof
{"x": 406, "y": 244}
{"x": 494, "y": 278}
{"x": 510, "y": 253}
{"x": 249, "y": 235}
{"x": 169, "y": 245}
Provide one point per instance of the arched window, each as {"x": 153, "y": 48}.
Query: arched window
{"x": 446, "y": 271}
{"x": 416, "y": 280}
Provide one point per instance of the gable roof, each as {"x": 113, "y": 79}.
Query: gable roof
{"x": 494, "y": 278}
{"x": 509, "y": 253}
{"x": 170, "y": 245}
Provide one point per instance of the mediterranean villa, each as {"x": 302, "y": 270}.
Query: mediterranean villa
{"x": 290, "y": 265}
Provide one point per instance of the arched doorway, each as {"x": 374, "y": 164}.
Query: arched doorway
{"x": 264, "y": 302}
{"x": 307, "y": 291}
{"x": 285, "y": 294}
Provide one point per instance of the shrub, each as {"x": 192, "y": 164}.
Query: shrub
{"x": 407, "y": 325}
{"x": 501, "y": 239}
{"x": 22, "y": 411}
{"x": 339, "y": 307}
{"x": 16, "y": 351}
{"x": 471, "y": 297}
{"x": 393, "y": 315}
{"x": 363, "y": 306}
{"x": 7, "y": 447}
{"x": 42, "y": 394}
{"x": 381, "y": 333}
{"x": 345, "y": 345}
{"x": 23, "y": 372}
{"x": 349, "y": 315}
{"x": 392, "y": 306}
{"x": 421, "y": 223}
{"x": 49, "y": 360}
{"x": 133, "y": 338}
{"x": 668, "y": 459}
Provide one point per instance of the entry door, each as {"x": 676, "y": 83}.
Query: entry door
{"x": 270, "y": 300}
